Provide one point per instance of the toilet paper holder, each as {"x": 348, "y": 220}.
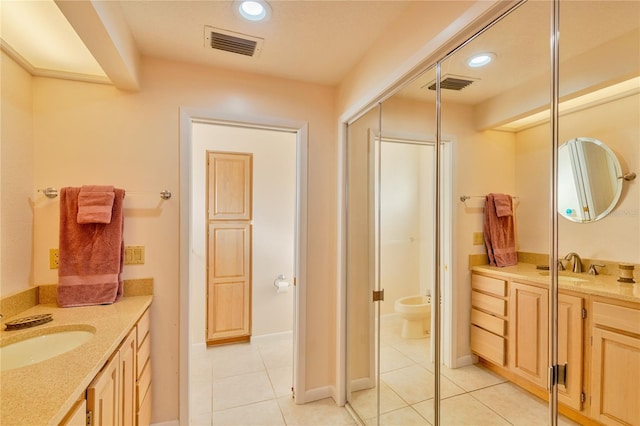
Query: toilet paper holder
{"x": 281, "y": 284}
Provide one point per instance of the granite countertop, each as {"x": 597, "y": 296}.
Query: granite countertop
{"x": 43, "y": 393}
{"x": 601, "y": 285}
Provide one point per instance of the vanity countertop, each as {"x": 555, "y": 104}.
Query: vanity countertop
{"x": 43, "y": 393}
{"x": 601, "y": 285}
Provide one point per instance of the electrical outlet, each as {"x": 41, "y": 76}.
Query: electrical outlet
{"x": 54, "y": 259}
{"x": 478, "y": 238}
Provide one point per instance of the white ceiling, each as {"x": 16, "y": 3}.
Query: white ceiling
{"x": 314, "y": 41}
{"x": 319, "y": 41}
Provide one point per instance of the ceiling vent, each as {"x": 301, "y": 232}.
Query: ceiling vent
{"x": 232, "y": 42}
{"x": 452, "y": 82}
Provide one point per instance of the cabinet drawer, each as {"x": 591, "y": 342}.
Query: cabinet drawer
{"x": 618, "y": 317}
{"x": 488, "y": 303}
{"x": 143, "y": 327}
{"x": 143, "y": 385}
{"x": 488, "y": 345}
{"x": 488, "y": 322}
{"x": 489, "y": 285}
{"x": 144, "y": 413}
{"x": 143, "y": 355}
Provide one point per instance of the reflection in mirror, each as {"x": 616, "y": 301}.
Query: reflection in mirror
{"x": 589, "y": 180}
{"x": 360, "y": 261}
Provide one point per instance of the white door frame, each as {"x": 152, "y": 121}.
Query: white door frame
{"x": 187, "y": 117}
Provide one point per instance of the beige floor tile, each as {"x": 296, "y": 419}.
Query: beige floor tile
{"x": 403, "y": 417}
{"x": 461, "y": 410}
{"x": 392, "y": 359}
{"x": 415, "y": 384}
{"x": 281, "y": 380}
{"x": 230, "y": 392}
{"x": 277, "y": 354}
{"x": 365, "y": 402}
{"x": 516, "y": 405}
{"x": 266, "y": 413}
{"x": 472, "y": 377}
{"x": 201, "y": 403}
{"x": 319, "y": 413}
{"x": 233, "y": 360}
{"x": 416, "y": 349}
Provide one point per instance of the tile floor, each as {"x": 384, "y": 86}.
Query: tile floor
{"x": 471, "y": 395}
{"x": 250, "y": 384}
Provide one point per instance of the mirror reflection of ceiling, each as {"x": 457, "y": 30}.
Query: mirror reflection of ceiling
{"x": 596, "y": 38}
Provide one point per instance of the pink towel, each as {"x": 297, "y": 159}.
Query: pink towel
{"x": 499, "y": 235}
{"x": 95, "y": 204}
{"x": 91, "y": 255}
{"x": 503, "y": 204}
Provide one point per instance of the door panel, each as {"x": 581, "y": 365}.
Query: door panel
{"x": 229, "y": 186}
{"x": 229, "y": 292}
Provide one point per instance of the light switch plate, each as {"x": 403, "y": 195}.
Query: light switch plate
{"x": 134, "y": 255}
{"x": 478, "y": 238}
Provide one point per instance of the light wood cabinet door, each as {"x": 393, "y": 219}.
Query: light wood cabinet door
{"x": 615, "y": 372}
{"x": 103, "y": 394}
{"x": 77, "y": 416}
{"x": 528, "y": 331}
{"x": 229, "y": 186}
{"x": 570, "y": 348}
{"x": 128, "y": 379}
{"x": 229, "y": 281}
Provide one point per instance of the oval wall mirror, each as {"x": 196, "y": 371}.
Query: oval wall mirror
{"x": 589, "y": 180}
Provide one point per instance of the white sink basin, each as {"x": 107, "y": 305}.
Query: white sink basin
{"x": 37, "y": 348}
{"x": 565, "y": 276}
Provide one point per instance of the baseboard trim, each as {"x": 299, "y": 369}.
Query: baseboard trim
{"x": 169, "y": 423}
{"x": 463, "y": 361}
{"x": 317, "y": 394}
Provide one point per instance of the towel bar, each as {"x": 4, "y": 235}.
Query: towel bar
{"x": 50, "y": 192}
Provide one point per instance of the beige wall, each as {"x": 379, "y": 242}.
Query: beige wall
{"x": 89, "y": 133}
{"x": 16, "y": 178}
{"x": 616, "y": 237}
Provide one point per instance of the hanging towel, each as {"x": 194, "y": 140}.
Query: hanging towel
{"x": 91, "y": 255}
{"x": 499, "y": 233}
{"x": 503, "y": 204}
{"x": 95, "y": 204}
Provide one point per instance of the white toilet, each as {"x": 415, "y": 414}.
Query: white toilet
{"x": 416, "y": 314}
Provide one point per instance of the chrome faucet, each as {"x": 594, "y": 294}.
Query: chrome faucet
{"x": 577, "y": 262}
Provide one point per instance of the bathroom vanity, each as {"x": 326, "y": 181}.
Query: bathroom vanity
{"x": 106, "y": 380}
{"x": 598, "y": 338}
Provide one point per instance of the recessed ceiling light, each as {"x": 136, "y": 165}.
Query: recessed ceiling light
{"x": 254, "y": 10}
{"x": 480, "y": 60}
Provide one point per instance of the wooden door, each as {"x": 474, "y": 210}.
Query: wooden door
{"x": 103, "y": 395}
{"x": 570, "y": 348}
{"x": 528, "y": 341}
{"x": 229, "y": 248}
{"x": 615, "y": 369}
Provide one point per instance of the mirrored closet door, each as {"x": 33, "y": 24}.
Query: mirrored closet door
{"x": 500, "y": 114}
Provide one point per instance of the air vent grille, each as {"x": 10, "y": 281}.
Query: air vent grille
{"x": 452, "y": 83}
{"x": 229, "y": 41}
